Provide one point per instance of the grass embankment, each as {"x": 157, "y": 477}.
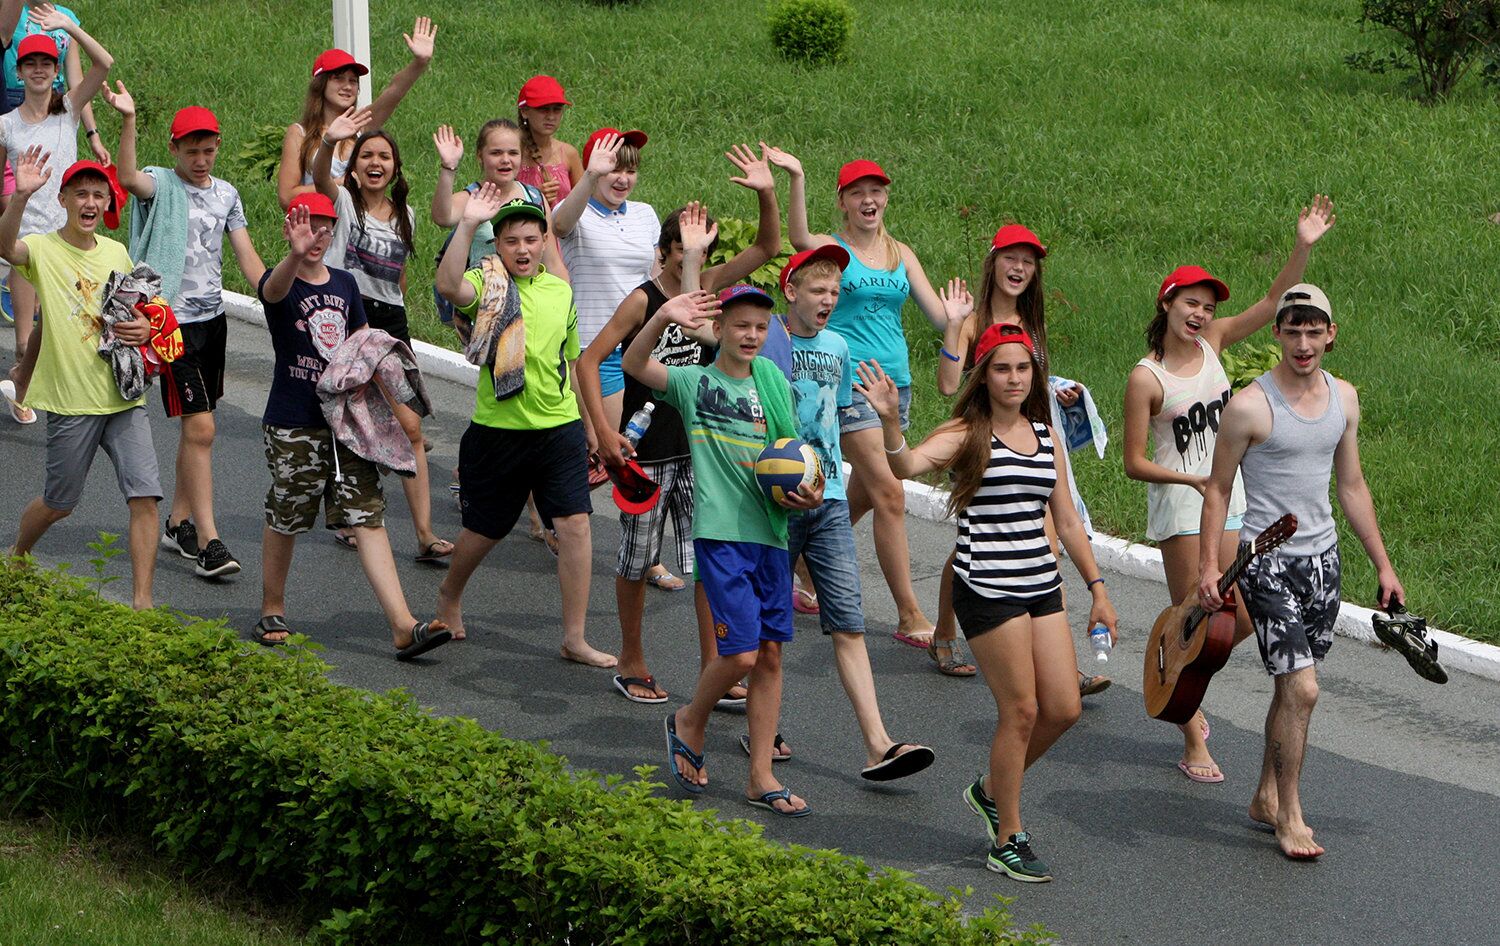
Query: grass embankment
{"x": 1131, "y": 137}
{"x": 57, "y": 889}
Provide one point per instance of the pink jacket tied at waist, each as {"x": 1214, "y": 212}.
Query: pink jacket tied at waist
{"x": 356, "y": 408}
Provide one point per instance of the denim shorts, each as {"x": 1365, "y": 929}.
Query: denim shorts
{"x": 825, "y": 538}
{"x": 611, "y": 375}
{"x": 859, "y": 415}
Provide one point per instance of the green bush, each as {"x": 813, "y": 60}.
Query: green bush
{"x": 388, "y": 823}
{"x": 1440, "y": 41}
{"x": 815, "y": 32}
{"x": 1247, "y": 361}
{"x": 734, "y": 236}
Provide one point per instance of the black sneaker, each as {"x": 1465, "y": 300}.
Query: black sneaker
{"x": 181, "y": 538}
{"x": 215, "y": 561}
{"x": 983, "y": 806}
{"x": 1016, "y": 859}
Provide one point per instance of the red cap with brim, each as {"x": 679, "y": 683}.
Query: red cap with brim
{"x": 318, "y": 205}
{"x": 1013, "y": 234}
{"x": 541, "y": 91}
{"x": 828, "y": 251}
{"x": 635, "y": 138}
{"x": 855, "y": 170}
{"x": 1184, "y": 276}
{"x": 332, "y": 60}
{"x": 192, "y": 119}
{"x": 116, "y": 192}
{"x": 634, "y": 491}
{"x": 1002, "y": 333}
{"x": 37, "y": 44}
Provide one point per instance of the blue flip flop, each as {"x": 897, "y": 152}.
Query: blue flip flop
{"x": 676, "y": 747}
{"x": 769, "y": 799}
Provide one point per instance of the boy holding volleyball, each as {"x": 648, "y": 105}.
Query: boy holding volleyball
{"x": 731, "y": 409}
{"x": 822, "y": 378}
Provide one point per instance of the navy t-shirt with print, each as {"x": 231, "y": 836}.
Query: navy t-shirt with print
{"x": 306, "y": 328}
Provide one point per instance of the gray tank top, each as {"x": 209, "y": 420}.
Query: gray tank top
{"x": 1290, "y": 472}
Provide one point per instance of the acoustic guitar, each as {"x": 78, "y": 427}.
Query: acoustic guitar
{"x": 1188, "y": 645}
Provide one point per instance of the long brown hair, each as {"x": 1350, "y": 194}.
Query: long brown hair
{"x": 1156, "y": 332}
{"x": 529, "y": 147}
{"x": 399, "y": 189}
{"x": 973, "y": 413}
{"x": 312, "y": 121}
{"x": 1031, "y": 308}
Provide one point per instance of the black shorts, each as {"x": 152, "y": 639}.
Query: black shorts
{"x": 388, "y": 318}
{"x": 500, "y": 468}
{"x": 977, "y": 613}
{"x": 194, "y": 382}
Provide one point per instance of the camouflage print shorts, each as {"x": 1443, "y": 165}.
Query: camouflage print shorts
{"x": 1293, "y": 601}
{"x": 302, "y": 471}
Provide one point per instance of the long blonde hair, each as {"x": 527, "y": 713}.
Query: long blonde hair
{"x": 312, "y": 122}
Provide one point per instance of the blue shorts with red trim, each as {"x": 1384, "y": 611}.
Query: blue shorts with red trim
{"x": 749, "y": 589}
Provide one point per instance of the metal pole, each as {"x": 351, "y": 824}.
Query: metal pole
{"x": 351, "y": 32}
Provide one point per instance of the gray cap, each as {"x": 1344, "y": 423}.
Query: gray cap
{"x": 1304, "y": 293}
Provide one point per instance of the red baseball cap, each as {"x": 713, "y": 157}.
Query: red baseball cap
{"x": 1013, "y": 234}
{"x": 116, "y": 192}
{"x": 542, "y": 90}
{"x": 855, "y": 170}
{"x": 828, "y": 251}
{"x": 191, "y": 119}
{"x": 332, "y": 60}
{"x": 1184, "y": 276}
{"x": 744, "y": 291}
{"x": 634, "y": 491}
{"x": 635, "y": 138}
{"x": 318, "y": 205}
{"x": 1002, "y": 333}
{"x": 37, "y": 43}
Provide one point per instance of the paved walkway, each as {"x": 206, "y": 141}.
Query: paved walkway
{"x": 1401, "y": 780}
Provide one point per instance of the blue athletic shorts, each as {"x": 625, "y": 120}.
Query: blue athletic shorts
{"x": 611, "y": 375}
{"x": 749, "y": 588}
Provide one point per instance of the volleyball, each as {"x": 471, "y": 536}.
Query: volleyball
{"x": 785, "y": 466}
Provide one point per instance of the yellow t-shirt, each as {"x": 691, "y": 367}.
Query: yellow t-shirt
{"x": 70, "y": 377}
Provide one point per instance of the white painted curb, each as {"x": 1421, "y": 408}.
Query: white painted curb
{"x": 434, "y": 361}
{"x": 927, "y": 502}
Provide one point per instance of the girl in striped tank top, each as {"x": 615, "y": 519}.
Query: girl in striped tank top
{"x": 1176, "y": 395}
{"x": 1007, "y": 592}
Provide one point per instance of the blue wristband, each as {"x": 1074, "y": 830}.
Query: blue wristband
{"x": 949, "y": 355}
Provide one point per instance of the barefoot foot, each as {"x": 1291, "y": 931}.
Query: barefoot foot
{"x": 1296, "y": 840}
{"x": 588, "y": 656}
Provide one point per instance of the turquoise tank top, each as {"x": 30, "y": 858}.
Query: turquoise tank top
{"x": 868, "y": 315}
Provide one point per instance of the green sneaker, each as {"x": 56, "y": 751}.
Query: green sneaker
{"x": 983, "y": 806}
{"x": 1016, "y": 858}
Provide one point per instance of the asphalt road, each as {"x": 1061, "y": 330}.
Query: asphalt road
{"x": 1401, "y": 779}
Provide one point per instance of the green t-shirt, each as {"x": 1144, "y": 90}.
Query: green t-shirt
{"x": 551, "y": 322}
{"x": 726, "y": 432}
{"x": 70, "y": 377}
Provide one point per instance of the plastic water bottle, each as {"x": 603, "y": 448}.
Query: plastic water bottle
{"x": 639, "y": 422}
{"x": 1099, "y": 638}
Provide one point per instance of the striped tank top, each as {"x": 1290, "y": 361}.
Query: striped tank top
{"x": 1002, "y": 549}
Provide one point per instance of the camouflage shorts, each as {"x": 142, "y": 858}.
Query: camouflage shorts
{"x": 1293, "y": 601}
{"x": 302, "y": 471}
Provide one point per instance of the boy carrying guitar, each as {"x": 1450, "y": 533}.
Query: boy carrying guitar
{"x": 1286, "y": 434}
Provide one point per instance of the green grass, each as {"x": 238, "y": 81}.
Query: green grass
{"x": 1132, "y": 137}
{"x": 57, "y": 890}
